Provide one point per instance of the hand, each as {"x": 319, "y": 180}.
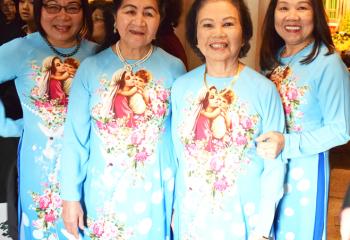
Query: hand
{"x": 345, "y": 224}
{"x": 72, "y": 215}
{"x": 270, "y": 144}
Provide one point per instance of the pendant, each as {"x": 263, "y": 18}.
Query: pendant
{"x": 128, "y": 67}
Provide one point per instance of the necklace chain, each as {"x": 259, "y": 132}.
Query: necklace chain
{"x": 130, "y": 66}
{"x": 292, "y": 57}
{"x": 233, "y": 81}
{"x": 65, "y": 55}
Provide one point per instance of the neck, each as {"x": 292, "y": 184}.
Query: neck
{"x": 291, "y": 49}
{"x": 63, "y": 44}
{"x": 222, "y": 70}
{"x": 133, "y": 53}
{"x": 31, "y": 27}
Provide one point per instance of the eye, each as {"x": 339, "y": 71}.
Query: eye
{"x": 207, "y": 25}
{"x": 228, "y": 24}
{"x": 131, "y": 12}
{"x": 53, "y": 8}
{"x": 283, "y": 8}
{"x": 148, "y": 14}
{"x": 73, "y": 8}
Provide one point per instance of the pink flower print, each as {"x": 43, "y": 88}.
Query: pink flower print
{"x": 97, "y": 229}
{"x": 163, "y": 95}
{"x": 246, "y": 123}
{"x": 50, "y": 217}
{"x": 216, "y": 165}
{"x": 99, "y": 124}
{"x": 287, "y": 108}
{"x": 141, "y": 156}
{"x": 160, "y": 111}
{"x": 44, "y": 202}
{"x": 241, "y": 140}
{"x": 136, "y": 138}
{"x": 221, "y": 185}
{"x": 292, "y": 94}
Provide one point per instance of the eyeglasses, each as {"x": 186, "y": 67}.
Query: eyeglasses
{"x": 55, "y": 8}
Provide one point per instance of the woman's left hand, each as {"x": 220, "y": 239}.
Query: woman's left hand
{"x": 269, "y": 145}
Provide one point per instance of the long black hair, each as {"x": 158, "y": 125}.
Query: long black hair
{"x": 272, "y": 42}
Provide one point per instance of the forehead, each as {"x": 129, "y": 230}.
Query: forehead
{"x": 140, "y": 3}
{"x": 6, "y": 1}
{"x": 293, "y": 1}
{"x": 217, "y": 9}
{"x": 62, "y": 2}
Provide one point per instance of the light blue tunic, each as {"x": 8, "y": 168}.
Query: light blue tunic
{"x": 118, "y": 147}
{"x": 316, "y": 99}
{"x": 29, "y": 61}
{"x": 223, "y": 189}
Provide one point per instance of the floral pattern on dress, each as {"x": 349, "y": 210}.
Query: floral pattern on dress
{"x": 129, "y": 142}
{"x": 49, "y": 96}
{"x": 291, "y": 95}
{"x": 109, "y": 227}
{"x": 213, "y": 164}
{"x": 48, "y": 206}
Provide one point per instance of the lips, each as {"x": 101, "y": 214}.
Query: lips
{"x": 136, "y": 32}
{"x": 218, "y": 45}
{"x": 292, "y": 28}
{"x": 62, "y": 29}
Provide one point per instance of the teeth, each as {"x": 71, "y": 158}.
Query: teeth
{"x": 293, "y": 28}
{"x": 218, "y": 45}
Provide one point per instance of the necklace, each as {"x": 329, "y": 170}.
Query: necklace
{"x": 128, "y": 66}
{"x": 64, "y": 55}
{"x": 281, "y": 72}
{"x": 233, "y": 81}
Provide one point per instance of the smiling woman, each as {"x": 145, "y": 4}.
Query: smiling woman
{"x": 39, "y": 64}
{"x": 118, "y": 148}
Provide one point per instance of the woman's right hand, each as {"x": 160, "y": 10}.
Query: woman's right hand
{"x": 269, "y": 145}
{"x": 72, "y": 215}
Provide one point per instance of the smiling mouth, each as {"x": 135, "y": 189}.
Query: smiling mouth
{"x": 62, "y": 29}
{"x": 218, "y": 46}
{"x": 135, "y": 32}
{"x": 292, "y": 28}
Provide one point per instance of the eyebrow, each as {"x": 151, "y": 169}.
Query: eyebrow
{"x": 145, "y": 8}
{"x": 224, "y": 19}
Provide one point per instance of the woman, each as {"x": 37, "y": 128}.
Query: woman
{"x": 103, "y": 23}
{"x": 314, "y": 86}
{"x": 59, "y": 23}
{"x": 126, "y": 170}
{"x": 223, "y": 189}
{"x": 10, "y": 24}
{"x": 26, "y": 12}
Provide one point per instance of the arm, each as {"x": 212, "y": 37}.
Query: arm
{"x": 128, "y": 93}
{"x": 333, "y": 94}
{"x": 64, "y": 76}
{"x": 212, "y": 114}
{"x": 8, "y": 126}
{"x": 272, "y": 177}
{"x": 75, "y": 153}
{"x": 8, "y": 68}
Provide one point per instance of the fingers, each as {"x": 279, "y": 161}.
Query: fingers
{"x": 72, "y": 215}
{"x": 263, "y": 137}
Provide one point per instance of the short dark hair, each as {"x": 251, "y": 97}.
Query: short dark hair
{"x": 161, "y": 7}
{"x": 272, "y": 42}
{"x": 86, "y": 29}
{"x": 244, "y": 18}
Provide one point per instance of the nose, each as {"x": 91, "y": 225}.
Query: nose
{"x": 293, "y": 14}
{"x": 139, "y": 19}
{"x": 219, "y": 31}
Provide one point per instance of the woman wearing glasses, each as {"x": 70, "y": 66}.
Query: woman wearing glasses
{"x": 60, "y": 25}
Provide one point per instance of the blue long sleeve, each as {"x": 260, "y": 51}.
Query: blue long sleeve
{"x": 273, "y": 173}
{"x": 332, "y": 92}
{"x": 76, "y": 139}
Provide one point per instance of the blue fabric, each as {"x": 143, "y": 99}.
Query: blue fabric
{"x": 316, "y": 99}
{"x": 320, "y": 199}
{"x": 223, "y": 189}
{"x": 118, "y": 146}
{"x": 42, "y": 82}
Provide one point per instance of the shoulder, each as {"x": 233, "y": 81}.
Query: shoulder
{"x": 254, "y": 79}
{"x": 166, "y": 58}
{"x": 186, "y": 79}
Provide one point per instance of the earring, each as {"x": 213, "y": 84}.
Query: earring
{"x": 115, "y": 28}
